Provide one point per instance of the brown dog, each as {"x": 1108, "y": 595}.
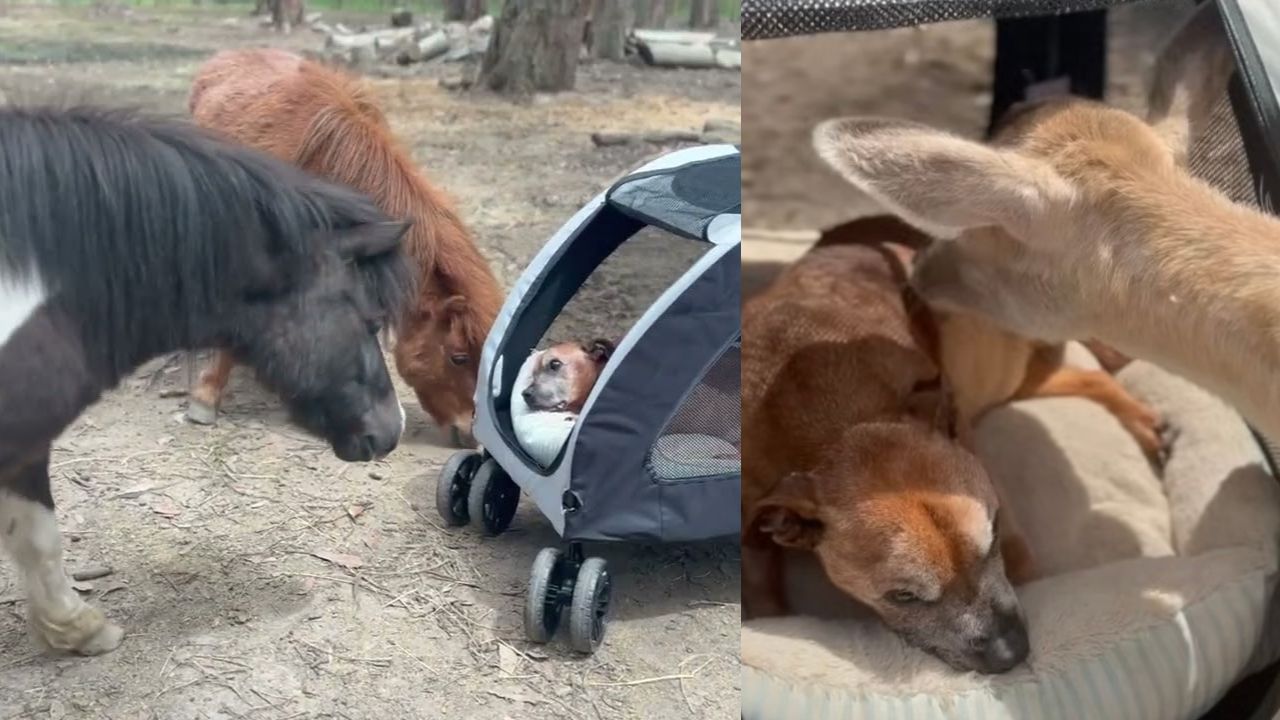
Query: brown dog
{"x": 551, "y": 388}
{"x": 843, "y": 457}
{"x": 986, "y": 366}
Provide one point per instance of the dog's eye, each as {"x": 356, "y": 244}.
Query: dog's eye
{"x": 554, "y": 365}
{"x": 459, "y": 359}
{"x": 902, "y": 597}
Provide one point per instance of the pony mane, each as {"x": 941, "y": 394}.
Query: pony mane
{"x": 143, "y": 227}
{"x": 350, "y": 140}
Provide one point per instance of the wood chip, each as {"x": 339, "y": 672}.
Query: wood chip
{"x": 515, "y": 696}
{"x": 340, "y": 559}
{"x": 166, "y": 507}
{"x": 91, "y": 573}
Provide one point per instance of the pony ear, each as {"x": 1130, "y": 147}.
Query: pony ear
{"x": 600, "y": 350}
{"x": 269, "y": 274}
{"x": 941, "y": 183}
{"x": 453, "y": 305}
{"x": 789, "y": 515}
{"x": 371, "y": 239}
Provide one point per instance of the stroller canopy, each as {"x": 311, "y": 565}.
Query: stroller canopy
{"x": 604, "y": 484}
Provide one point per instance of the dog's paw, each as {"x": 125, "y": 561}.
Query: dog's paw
{"x": 1168, "y": 435}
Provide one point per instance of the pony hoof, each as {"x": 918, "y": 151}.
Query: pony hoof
{"x": 104, "y": 641}
{"x": 87, "y": 633}
{"x": 201, "y": 413}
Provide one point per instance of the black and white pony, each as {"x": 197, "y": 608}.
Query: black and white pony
{"x": 124, "y": 237}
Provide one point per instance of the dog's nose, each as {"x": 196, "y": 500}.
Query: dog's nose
{"x": 1007, "y": 646}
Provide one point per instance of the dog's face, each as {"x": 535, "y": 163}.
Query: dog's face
{"x": 905, "y": 522}
{"x": 564, "y": 374}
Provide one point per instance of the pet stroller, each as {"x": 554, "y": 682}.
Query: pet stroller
{"x": 646, "y": 459}
{"x": 1047, "y": 47}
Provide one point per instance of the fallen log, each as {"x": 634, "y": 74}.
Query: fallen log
{"x": 683, "y": 37}
{"x": 432, "y": 46}
{"x": 608, "y": 139}
{"x": 695, "y": 55}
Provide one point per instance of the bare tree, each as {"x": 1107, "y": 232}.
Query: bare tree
{"x": 463, "y": 10}
{"x": 704, "y": 14}
{"x": 285, "y": 14}
{"x": 610, "y": 20}
{"x": 535, "y": 46}
{"x": 651, "y": 13}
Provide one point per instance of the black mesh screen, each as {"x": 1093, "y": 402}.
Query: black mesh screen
{"x": 1217, "y": 156}
{"x": 704, "y": 437}
{"x": 781, "y": 18}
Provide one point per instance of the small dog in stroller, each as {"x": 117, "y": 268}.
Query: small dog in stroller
{"x": 554, "y": 384}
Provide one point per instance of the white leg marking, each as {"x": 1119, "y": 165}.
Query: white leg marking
{"x": 400, "y": 433}
{"x": 20, "y": 295}
{"x": 58, "y": 617}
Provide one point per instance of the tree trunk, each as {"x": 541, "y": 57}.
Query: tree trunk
{"x": 463, "y": 10}
{"x": 535, "y": 46}
{"x": 651, "y": 13}
{"x": 704, "y": 13}
{"x": 286, "y": 14}
{"x": 609, "y": 26}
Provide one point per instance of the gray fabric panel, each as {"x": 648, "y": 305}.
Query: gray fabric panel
{"x": 620, "y": 500}
{"x": 686, "y": 199}
{"x": 762, "y": 19}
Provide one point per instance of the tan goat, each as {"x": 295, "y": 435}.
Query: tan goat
{"x": 1080, "y": 221}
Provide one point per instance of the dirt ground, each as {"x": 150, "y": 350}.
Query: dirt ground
{"x": 259, "y": 577}
{"x": 939, "y": 74}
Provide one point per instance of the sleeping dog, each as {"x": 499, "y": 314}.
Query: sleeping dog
{"x": 553, "y": 385}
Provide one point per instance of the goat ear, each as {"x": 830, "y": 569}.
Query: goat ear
{"x": 789, "y": 515}
{"x": 370, "y": 239}
{"x": 938, "y": 182}
{"x": 600, "y": 350}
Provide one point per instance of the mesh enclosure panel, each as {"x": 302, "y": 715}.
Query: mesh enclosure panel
{"x": 763, "y": 19}
{"x": 704, "y": 436}
{"x": 1218, "y": 157}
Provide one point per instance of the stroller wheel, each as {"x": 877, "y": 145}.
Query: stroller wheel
{"x": 493, "y": 497}
{"x": 452, "y": 485}
{"x": 590, "y": 609}
{"x": 549, "y": 580}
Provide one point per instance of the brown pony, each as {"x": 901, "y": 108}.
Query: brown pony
{"x": 326, "y": 123}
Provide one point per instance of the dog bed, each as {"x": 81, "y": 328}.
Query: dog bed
{"x": 1153, "y": 596}
{"x": 683, "y": 456}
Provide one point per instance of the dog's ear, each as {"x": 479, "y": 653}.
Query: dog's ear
{"x": 789, "y": 515}
{"x": 932, "y": 403}
{"x": 600, "y": 350}
{"x": 941, "y": 183}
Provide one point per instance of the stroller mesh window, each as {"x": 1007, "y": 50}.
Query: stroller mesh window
{"x": 704, "y": 437}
